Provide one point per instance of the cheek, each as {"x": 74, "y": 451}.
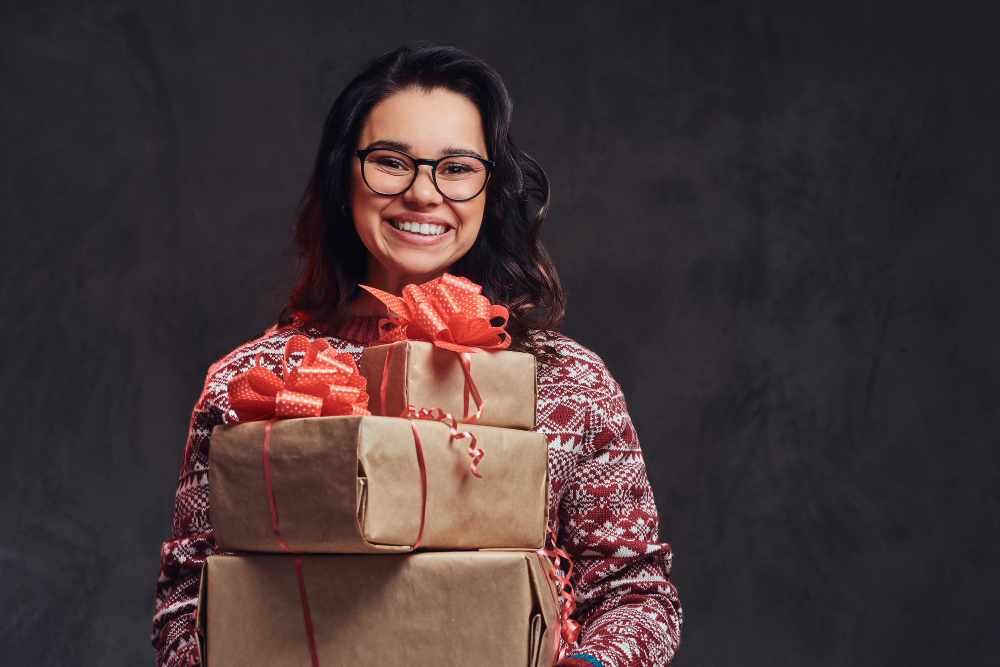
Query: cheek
{"x": 364, "y": 212}
{"x": 472, "y": 223}
{"x": 359, "y": 195}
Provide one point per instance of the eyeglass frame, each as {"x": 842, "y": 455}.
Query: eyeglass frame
{"x": 417, "y": 161}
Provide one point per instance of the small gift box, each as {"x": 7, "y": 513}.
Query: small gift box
{"x": 423, "y": 374}
{"x": 449, "y": 609}
{"x": 354, "y": 484}
{"x": 444, "y": 346}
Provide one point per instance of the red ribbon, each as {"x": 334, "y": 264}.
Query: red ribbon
{"x": 470, "y": 387}
{"x": 307, "y": 615}
{"x": 423, "y": 483}
{"x": 303, "y": 596}
{"x": 569, "y": 629}
{"x": 325, "y": 384}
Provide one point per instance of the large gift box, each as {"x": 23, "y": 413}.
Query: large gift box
{"x": 352, "y": 484}
{"x": 424, "y": 374}
{"x": 426, "y": 608}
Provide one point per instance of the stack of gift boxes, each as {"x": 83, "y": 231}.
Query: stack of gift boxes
{"x": 319, "y": 516}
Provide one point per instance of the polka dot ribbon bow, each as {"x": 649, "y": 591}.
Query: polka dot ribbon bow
{"x": 448, "y": 311}
{"x": 325, "y": 384}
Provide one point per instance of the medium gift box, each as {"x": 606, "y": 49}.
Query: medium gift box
{"x": 423, "y": 374}
{"x": 355, "y": 484}
{"x": 426, "y": 608}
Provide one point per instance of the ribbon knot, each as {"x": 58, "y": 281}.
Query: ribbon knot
{"x": 325, "y": 384}
{"x": 448, "y": 311}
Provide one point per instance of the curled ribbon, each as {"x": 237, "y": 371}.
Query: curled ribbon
{"x": 569, "y": 629}
{"x": 450, "y": 312}
{"x": 325, "y": 384}
{"x": 412, "y": 412}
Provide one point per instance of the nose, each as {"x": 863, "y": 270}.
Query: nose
{"x": 423, "y": 192}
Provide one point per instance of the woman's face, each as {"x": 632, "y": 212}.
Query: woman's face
{"x": 424, "y": 125}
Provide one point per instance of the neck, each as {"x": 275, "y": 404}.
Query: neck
{"x": 378, "y": 276}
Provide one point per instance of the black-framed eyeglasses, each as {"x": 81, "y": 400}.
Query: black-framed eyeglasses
{"x": 390, "y": 172}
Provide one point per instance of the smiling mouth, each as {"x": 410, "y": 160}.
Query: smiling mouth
{"x": 423, "y": 229}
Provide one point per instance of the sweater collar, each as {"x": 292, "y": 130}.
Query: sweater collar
{"x": 359, "y": 329}
{"x": 362, "y": 329}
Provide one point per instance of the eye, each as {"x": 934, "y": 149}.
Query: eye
{"x": 460, "y": 168}
{"x": 456, "y": 168}
{"x": 389, "y": 162}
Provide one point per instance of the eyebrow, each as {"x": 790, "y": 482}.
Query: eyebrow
{"x": 406, "y": 148}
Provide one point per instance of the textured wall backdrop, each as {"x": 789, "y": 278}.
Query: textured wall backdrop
{"x": 796, "y": 293}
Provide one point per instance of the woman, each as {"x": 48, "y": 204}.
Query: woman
{"x": 416, "y": 175}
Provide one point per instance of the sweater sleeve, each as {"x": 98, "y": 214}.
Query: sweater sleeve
{"x": 182, "y": 556}
{"x": 629, "y": 611}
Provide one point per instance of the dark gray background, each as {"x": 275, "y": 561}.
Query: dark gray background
{"x": 776, "y": 222}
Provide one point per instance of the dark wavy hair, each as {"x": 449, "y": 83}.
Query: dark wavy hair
{"x": 507, "y": 258}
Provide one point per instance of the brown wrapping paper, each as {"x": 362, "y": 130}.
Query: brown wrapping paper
{"x": 428, "y": 376}
{"x": 352, "y": 485}
{"x": 427, "y": 608}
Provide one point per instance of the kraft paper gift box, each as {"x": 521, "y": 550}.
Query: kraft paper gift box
{"x": 426, "y": 608}
{"x": 429, "y": 376}
{"x": 351, "y": 484}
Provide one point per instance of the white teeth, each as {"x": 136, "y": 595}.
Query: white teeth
{"x": 420, "y": 228}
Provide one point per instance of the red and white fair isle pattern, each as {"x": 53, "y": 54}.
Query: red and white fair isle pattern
{"x": 601, "y": 505}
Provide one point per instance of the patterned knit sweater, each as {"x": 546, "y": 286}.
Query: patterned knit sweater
{"x": 601, "y": 505}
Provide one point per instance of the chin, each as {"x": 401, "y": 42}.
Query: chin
{"x": 419, "y": 268}
{"x": 429, "y": 271}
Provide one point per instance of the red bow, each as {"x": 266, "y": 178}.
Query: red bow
{"x": 325, "y": 384}
{"x": 448, "y": 311}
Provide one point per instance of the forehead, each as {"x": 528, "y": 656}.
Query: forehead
{"x": 428, "y": 121}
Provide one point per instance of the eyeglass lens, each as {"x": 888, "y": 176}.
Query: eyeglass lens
{"x": 390, "y": 172}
